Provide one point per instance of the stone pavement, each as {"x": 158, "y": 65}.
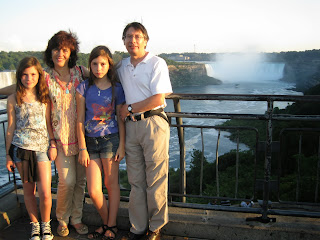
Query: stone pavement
{"x": 20, "y": 230}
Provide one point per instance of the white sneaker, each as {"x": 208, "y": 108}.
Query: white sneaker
{"x": 35, "y": 231}
{"x": 46, "y": 231}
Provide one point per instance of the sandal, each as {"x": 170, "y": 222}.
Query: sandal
{"x": 83, "y": 229}
{"x": 114, "y": 230}
{"x": 95, "y": 234}
{"x": 63, "y": 231}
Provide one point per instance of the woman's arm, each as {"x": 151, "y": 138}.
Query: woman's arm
{"x": 53, "y": 151}
{"x": 8, "y": 90}
{"x": 81, "y": 110}
{"x": 11, "y": 113}
{"x": 122, "y": 136}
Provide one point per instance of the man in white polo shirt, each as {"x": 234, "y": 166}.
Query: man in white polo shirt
{"x": 145, "y": 80}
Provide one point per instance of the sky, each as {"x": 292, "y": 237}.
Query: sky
{"x": 174, "y": 26}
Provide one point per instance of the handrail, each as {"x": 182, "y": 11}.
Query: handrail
{"x": 269, "y": 117}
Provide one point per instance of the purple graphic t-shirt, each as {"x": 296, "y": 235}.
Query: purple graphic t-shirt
{"x": 100, "y": 112}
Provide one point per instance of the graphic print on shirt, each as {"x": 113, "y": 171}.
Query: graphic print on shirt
{"x": 101, "y": 113}
{"x": 102, "y": 117}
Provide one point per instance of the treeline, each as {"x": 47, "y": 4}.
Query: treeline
{"x": 10, "y": 60}
{"x": 291, "y": 56}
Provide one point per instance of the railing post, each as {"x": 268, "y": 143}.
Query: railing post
{"x": 201, "y": 166}
{"x": 217, "y": 165}
{"x": 237, "y": 167}
{"x": 183, "y": 176}
{"x": 298, "y": 169}
{"x": 317, "y": 181}
{"x": 266, "y": 186}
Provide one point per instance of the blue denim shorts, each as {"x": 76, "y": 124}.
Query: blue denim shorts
{"x": 41, "y": 156}
{"x": 102, "y": 147}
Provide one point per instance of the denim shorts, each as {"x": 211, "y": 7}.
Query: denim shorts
{"x": 41, "y": 156}
{"x": 102, "y": 147}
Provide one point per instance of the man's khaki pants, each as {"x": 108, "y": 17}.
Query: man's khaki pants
{"x": 147, "y": 159}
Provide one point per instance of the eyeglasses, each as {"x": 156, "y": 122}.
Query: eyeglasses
{"x": 136, "y": 37}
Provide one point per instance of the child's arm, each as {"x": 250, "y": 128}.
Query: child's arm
{"x": 81, "y": 109}
{"x": 11, "y": 102}
{"x": 122, "y": 136}
{"x": 52, "y": 152}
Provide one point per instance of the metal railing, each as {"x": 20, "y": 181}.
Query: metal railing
{"x": 268, "y": 117}
{"x": 265, "y": 181}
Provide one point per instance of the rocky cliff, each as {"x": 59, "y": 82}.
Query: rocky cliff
{"x": 190, "y": 74}
{"x": 305, "y": 74}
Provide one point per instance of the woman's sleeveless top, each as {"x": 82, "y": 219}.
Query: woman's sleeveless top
{"x": 31, "y": 128}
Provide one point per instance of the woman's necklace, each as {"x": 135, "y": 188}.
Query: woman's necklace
{"x": 67, "y": 86}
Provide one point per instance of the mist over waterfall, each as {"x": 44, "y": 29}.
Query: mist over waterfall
{"x": 7, "y": 78}
{"x": 244, "y": 68}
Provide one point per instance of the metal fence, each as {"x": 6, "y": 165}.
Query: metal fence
{"x": 267, "y": 145}
{"x": 266, "y": 183}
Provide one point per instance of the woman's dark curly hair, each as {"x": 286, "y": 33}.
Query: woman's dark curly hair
{"x": 60, "y": 40}
{"x": 42, "y": 90}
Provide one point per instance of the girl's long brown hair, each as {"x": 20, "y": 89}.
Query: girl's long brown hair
{"x": 42, "y": 90}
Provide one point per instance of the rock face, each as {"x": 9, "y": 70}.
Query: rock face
{"x": 191, "y": 74}
{"x": 305, "y": 74}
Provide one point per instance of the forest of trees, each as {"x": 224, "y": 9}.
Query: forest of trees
{"x": 10, "y": 60}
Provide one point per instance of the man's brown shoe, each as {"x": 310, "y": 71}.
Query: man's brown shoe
{"x": 153, "y": 235}
{"x": 132, "y": 236}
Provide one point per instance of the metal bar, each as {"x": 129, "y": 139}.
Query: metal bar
{"x": 202, "y": 156}
{"x": 180, "y": 130}
{"x": 317, "y": 179}
{"x": 217, "y": 164}
{"x": 279, "y": 117}
{"x": 237, "y": 167}
{"x": 244, "y": 97}
{"x": 266, "y": 185}
{"x": 298, "y": 170}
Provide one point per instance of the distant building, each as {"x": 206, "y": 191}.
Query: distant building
{"x": 179, "y": 58}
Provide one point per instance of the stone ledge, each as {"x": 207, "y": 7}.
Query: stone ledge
{"x": 195, "y": 223}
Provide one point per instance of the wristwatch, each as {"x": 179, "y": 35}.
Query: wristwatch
{"x": 130, "y": 109}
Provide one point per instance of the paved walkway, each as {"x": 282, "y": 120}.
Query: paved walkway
{"x": 20, "y": 230}
{"x": 185, "y": 223}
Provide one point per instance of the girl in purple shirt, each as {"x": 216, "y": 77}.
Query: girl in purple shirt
{"x": 101, "y": 137}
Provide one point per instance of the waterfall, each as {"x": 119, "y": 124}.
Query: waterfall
{"x": 262, "y": 71}
{"x": 7, "y": 78}
{"x": 244, "y": 67}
